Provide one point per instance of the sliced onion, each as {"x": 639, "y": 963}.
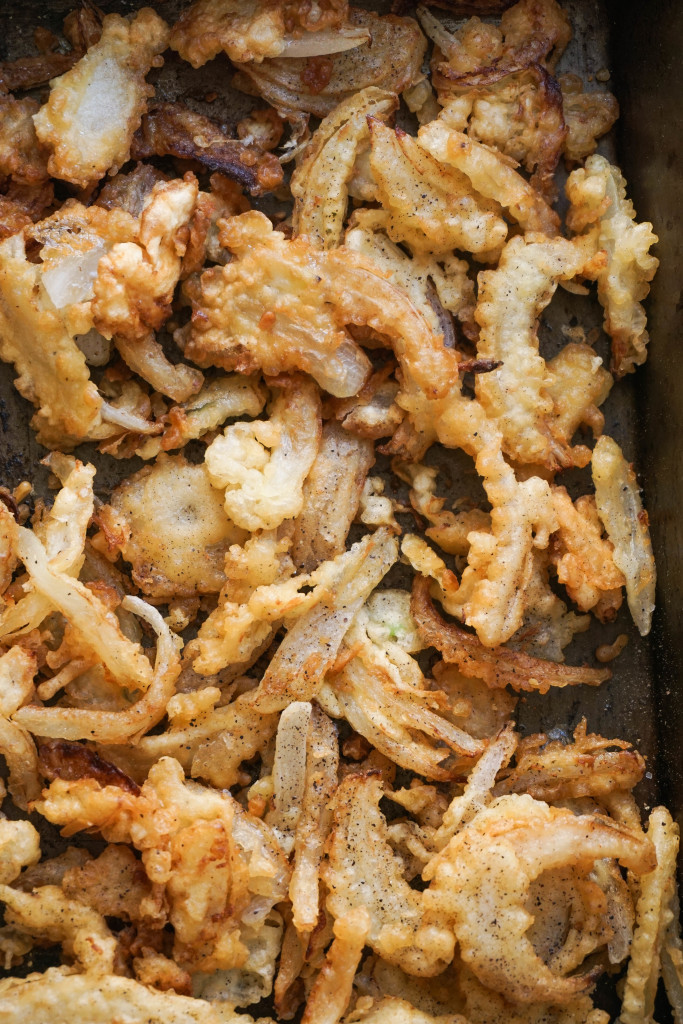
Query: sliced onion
{"x": 128, "y": 420}
{"x": 289, "y": 765}
{"x": 95, "y": 347}
{"x": 71, "y": 278}
{"x": 328, "y": 40}
{"x": 342, "y": 372}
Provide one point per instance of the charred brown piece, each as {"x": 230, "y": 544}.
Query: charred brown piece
{"x": 479, "y": 365}
{"x": 62, "y": 759}
{"x": 82, "y": 28}
{"x": 497, "y": 666}
{"x": 172, "y": 129}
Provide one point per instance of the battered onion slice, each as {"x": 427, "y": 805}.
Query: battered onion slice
{"x": 240, "y": 321}
{"x": 482, "y": 880}
{"x": 95, "y": 108}
{"x": 617, "y": 498}
{"x": 391, "y": 61}
{"x": 262, "y": 465}
{"x": 363, "y": 871}
{"x": 320, "y": 182}
{"x": 553, "y": 770}
{"x": 249, "y": 30}
{"x": 169, "y": 523}
{"x": 431, "y": 206}
{"x": 17, "y": 670}
{"x": 579, "y": 384}
{"x": 491, "y": 175}
{"x": 60, "y": 993}
{"x": 382, "y": 693}
{"x": 511, "y": 299}
{"x": 583, "y": 558}
{"x": 497, "y": 667}
{"x": 221, "y": 868}
{"x": 332, "y": 494}
{"x": 597, "y": 194}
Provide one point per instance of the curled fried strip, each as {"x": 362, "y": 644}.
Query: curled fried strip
{"x": 511, "y": 299}
{"x": 653, "y": 916}
{"x": 553, "y": 770}
{"x": 478, "y": 791}
{"x": 94, "y": 109}
{"x": 117, "y": 726}
{"x": 311, "y": 645}
{"x": 597, "y": 194}
{"x": 498, "y": 666}
{"x": 48, "y": 913}
{"x": 363, "y": 871}
{"x": 319, "y": 184}
{"x": 491, "y": 175}
{"x": 619, "y": 506}
{"x": 482, "y": 878}
{"x": 332, "y": 988}
{"x": 432, "y": 207}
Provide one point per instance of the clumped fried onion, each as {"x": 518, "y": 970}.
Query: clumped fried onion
{"x": 223, "y": 667}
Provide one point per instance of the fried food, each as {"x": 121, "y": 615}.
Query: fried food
{"x": 172, "y": 129}
{"x": 514, "y": 394}
{"x": 320, "y": 182}
{"x": 431, "y": 206}
{"x": 391, "y": 61}
{"x": 597, "y": 194}
{"x": 482, "y": 878}
{"x": 171, "y": 498}
{"x": 21, "y": 156}
{"x": 363, "y": 872}
{"x": 491, "y": 175}
{"x": 288, "y": 773}
{"x": 588, "y": 115}
{"x": 618, "y": 503}
{"x": 249, "y": 30}
{"x": 497, "y": 667}
{"x": 262, "y": 465}
{"x": 95, "y": 108}
{"x": 331, "y": 497}
{"x": 552, "y": 770}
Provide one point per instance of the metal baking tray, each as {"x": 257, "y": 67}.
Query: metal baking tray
{"x": 640, "y": 44}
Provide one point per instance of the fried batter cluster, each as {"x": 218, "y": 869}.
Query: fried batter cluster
{"x": 303, "y": 777}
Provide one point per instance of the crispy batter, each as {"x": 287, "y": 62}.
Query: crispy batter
{"x": 584, "y": 560}
{"x": 171, "y": 499}
{"x": 173, "y": 129}
{"x": 363, "y": 871}
{"x": 320, "y": 182}
{"x": 579, "y": 385}
{"x": 262, "y": 465}
{"x": 101, "y": 99}
{"x": 391, "y": 61}
{"x": 482, "y": 879}
{"x": 240, "y": 323}
{"x": 588, "y": 115}
{"x": 497, "y": 667}
{"x": 617, "y": 498}
{"x": 249, "y": 30}
{"x": 598, "y": 201}
{"x": 551, "y": 770}
{"x": 432, "y": 206}
{"x": 491, "y": 175}
{"x": 511, "y": 299}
